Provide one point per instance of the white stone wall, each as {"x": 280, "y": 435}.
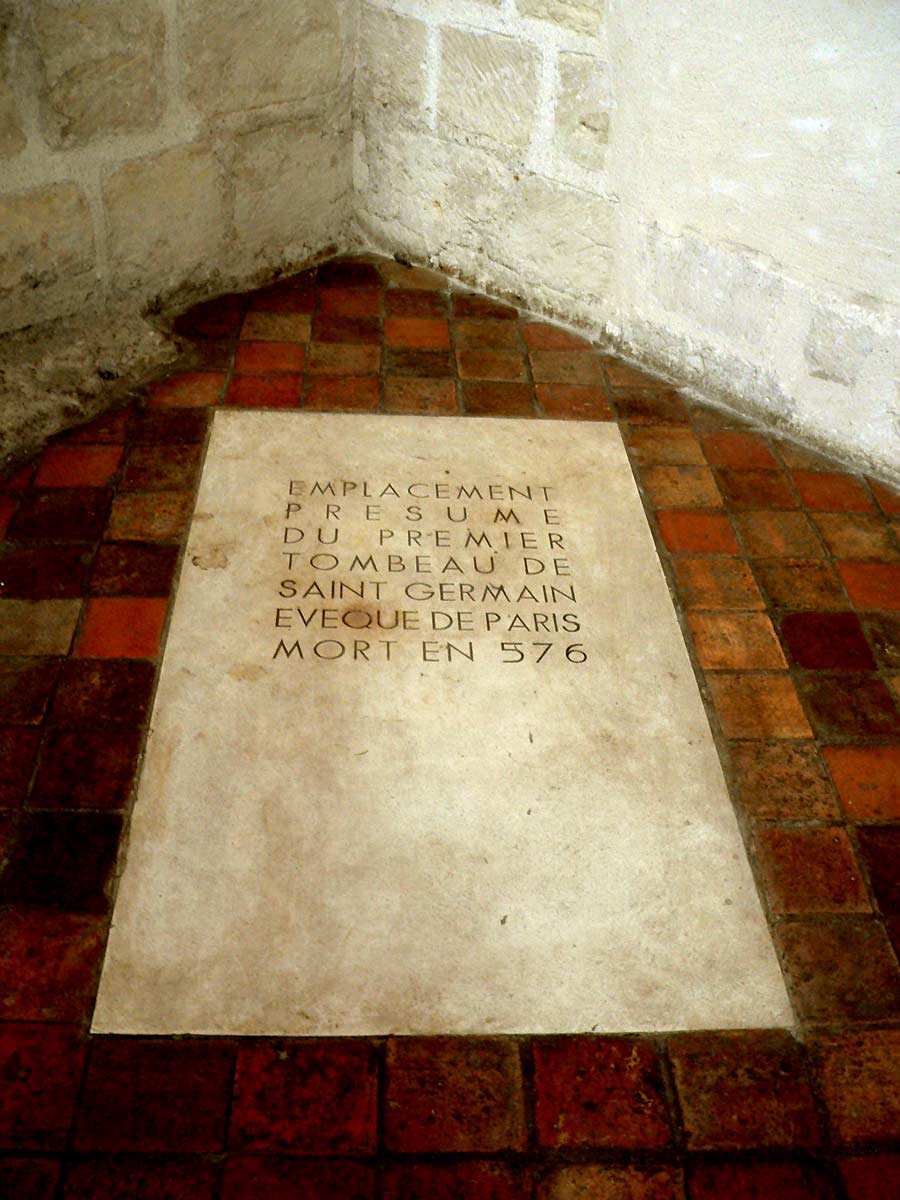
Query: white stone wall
{"x": 713, "y": 187}
{"x": 156, "y": 147}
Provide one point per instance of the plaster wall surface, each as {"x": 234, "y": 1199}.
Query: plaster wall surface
{"x": 714, "y": 189}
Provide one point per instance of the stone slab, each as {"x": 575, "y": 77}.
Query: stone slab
{"x": 434, "y": 833}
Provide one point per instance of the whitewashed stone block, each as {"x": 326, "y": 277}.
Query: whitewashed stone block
{"x": 392, "y": 62}
{"x": 581, "y": 15}
{"x": 582, "y": 113}
{"x": 488, "y": 88}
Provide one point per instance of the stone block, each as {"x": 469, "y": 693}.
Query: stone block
{"x": 166, "y": 217}
{"x": 46, "y": 254}
{"x": 838, "y": 344}
{"x": 583, "y": 16}
{"x": 488, "y": 88}
{"x": 289, "y": 183}
{"x": 12, "y": 136}
{"x": 101, "y": 68}
{"x": 582, "y": 115}
{"x": 244, "y": 54}
{"x": 392, "y": 62}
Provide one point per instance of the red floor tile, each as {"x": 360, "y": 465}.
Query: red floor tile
{"x": 410, "y": 395}
{"x": 328, "y": 358}
{"x": 419, "y": 333}
{"x": 18, "y": 754}
{"x": 25, "y": 688}
{"x": 697, "y": 532}
{"x": 744, "y": 451}
{"x": 748, "y": 490}
{"x": 356, "y": 331}
{"x": 838, "y": 972}
{"x": 97, "y": 690}
{"x": 880, "y": 847}
{"x": 651, "y": 444}
{"x": 857, "y": 536}
{"x": 349, "y": 393}
{"x": 77, "y": 466}
{"x": 350, "y": 301}
{"x": 62, "y": 861}
{"x": 810, "y": 871}
{"x": 40, "y": 1066}
{"x": 269, "y": 358}
{"x": 453, "y": 1095}
{"x": 601, "y": 1182}
{"x": 872, "y": 585}
{"x": 735, "y": 641}
{"x": 161, "y": 467}
{"x": 783, "y": 781}
{"x": 758, "y": 706}
{"x": 88, "y": 766}
{"x": 717, "y": 583}
{"x": 133, "y": 569}
{"x": 741, "y": 1091}
{"x": 305, "y": 1098}
{"x": 566, "y": 366}
{"x": 488, "y": 335}
{"x": 759, "y": 1181}
{"x": 409, "y": 303}
{"x": 832, "y": 491}
{"x": 778, "y": 535}
{"x": 451, "y": 1181}
{"x": 121, "y": 627}
{"x": 29, "y": 1178}
{"x": 261, "y": 391}
{"x": 49, "y": 963}
{"x": 61, "y": 515}
{"x": 148, "y": 1179}
{"x": 216, "y": 318}
{"x": 825, "y": 641}
{"x": 651, "y": 408}
{"x": 481, "y": 308}
{"x": 490, "y": 364}
{"x": 277, "y": 327}
{"x": 489, "y": 399}
{"x": 253, "y": 1177}
{"x": 681, "y": 487}
{"x": 800, "y": 584}
{"x": 867, "y": 780}
{"x": 540, "y": 336}
{"x": 859, "y": 1077}
{"x": 149, "y": 516}
{"x": 571, "y": 401}
{"x": 142, "y": 1096}
{"x": 38, "y": 572}
{"x": 599, "y": 1092}
{"x": 871, "y": 1178}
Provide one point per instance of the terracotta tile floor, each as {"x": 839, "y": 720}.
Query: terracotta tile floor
{"x": 785, "y": 571}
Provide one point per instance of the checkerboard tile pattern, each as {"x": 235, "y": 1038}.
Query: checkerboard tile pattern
{"x": 785, "y": 572}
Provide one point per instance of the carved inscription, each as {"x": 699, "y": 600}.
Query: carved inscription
{"x": 449, "y": 571}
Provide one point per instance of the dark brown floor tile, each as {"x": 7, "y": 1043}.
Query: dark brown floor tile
{"x": 782, "y": 781}
{"x": 169, "y": 425}
{"x": 427, "y": 364}
{"x": 29, "y": 1178}
{"x": 840, "y": 971}
{"x": 18, "y": 754}
{"x": 141, "y": 1179}
{"x": 357, "y": 331}
{"x": 25, "y": 688}
{"x": 883, "y": 632}
{"x": 409, "y": 278}
{"x": 872, "y": 585}
{"x": 110, "y": 429}
{"x": 826, "y": 641}
{"x": 599, "y": 1092}
{"x": 859, "y": 1077}
{"x": 651, "y": 408}
{"x": 595, "y": 1181}
{"x": 399, "y": 302}
{"x": 453, "y": 1095}
{"x": 687, "y": 532}
{"x": 566, "y": 366}
{"x": 489, "y": 399}
{"x": 572, "y": 401}
{"x": 758, "y": 705}
{"x": 490, "y": 364}
{"x": 481, "y": 308}
{"x": 253, "y": 1177}
{"x": 858, "y": 536}
{"x": 539, "y": 335}
{"x": 213, "y": 318}
{"x": 741, "y": 451}
{"x": 800, "y": 584}
{"x": 305, "y": 1098}
{"x": 406, "y": 394}
{"x": 86, "y": 766}
{"x": 808, "y": 871}
{"x": 664, "y": 444}
{"x": 849, "y": 705}
{"x": 758, "y": 1180}
{"x": 149, "y": 516}
{"x": 61, "y": 515}
{"x": 294, "y": 295}
{"x": 745, "y": 1090}
{"x": 339, "y": 358}
{"x": 737, "y": 641}
{"x": 755, "y": 489}
{"x": 133, "y": 569}
{"x": 350, "y": 301}
{"x": 626, "y": 375}
{"x": 872, "y": 1177}
{"x": 92, "y": 690}
{"x": 716, "y": 583}
{"x": 344, "y": 393}
{"x": 474, "y": 1180}
{"x": 154, "y": 1096}
{"x": 832, "y": 491}
{"x": 347, "y": 273}
{"x": 888, "y": 498}
{"x": 681, "y": 487}
{"x": 290, "y": 326}
{"x": 8, "y": 507}
{"x": 880, "y": 846}
{"x": 62, "y": 861}
{"x": 488, "y": 335}
{"x": 44, "y": 572}
{"x": 48, "y": 964}
{"x": 867, "y": 779}
{"x": 778, "y": 535}
{"x": 40, "y": 1066}
{"x": 161, "y": 467}
{"x": 37, "y": 627}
